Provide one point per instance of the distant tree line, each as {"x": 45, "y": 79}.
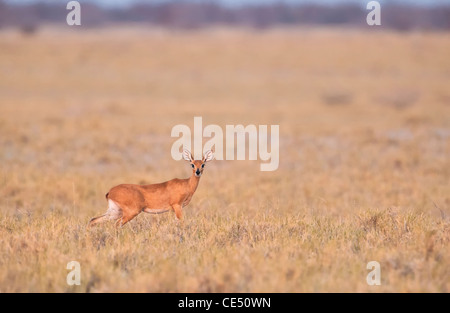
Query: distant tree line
{"x": 192, "y": 15}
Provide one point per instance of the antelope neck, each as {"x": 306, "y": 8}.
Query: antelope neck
{"x": 193, "y": 182}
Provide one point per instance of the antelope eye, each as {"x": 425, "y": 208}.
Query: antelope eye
{"x": 203, "y": 165}
{"x": 192, "y": 165}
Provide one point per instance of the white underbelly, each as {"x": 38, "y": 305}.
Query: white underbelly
{"x": 155, "y": 211}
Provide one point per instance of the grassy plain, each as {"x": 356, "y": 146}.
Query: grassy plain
{"x": 364, "y": 169}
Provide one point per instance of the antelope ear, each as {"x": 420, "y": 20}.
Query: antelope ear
{"x": 208, "y": 156}
{"x": 187, "y": 156}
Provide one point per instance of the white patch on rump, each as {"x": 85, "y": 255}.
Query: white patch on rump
{"x": 114, "y": 211}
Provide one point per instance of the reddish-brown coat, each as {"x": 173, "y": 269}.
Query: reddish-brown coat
{"x": 131, "y": 199}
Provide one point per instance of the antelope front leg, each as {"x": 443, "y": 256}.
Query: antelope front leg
{"x": 178, "y": 211}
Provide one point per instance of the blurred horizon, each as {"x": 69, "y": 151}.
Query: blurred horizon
{"x": 193, "y": 14}
{"x": 126, "y": 3}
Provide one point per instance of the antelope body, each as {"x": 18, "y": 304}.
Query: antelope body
{"x": 128, "y": 200}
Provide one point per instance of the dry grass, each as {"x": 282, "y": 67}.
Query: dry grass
{"x": 364, "y": 172}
